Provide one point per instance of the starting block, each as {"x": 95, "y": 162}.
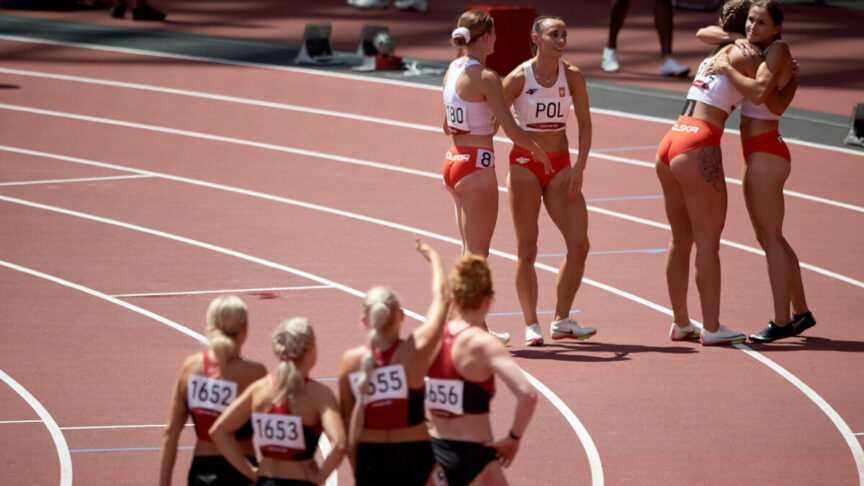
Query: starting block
{"x": 856, "y": 126}
{"x": 315, "y": 48}
{"x": 376, "y": 50}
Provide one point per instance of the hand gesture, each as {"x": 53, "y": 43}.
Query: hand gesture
{"x": 427, "y": 251}
{"x": 574, "y": 184}
{"x": 506, "y": 449}
{"x": 718, "y": 64}
{"x": 747, "y": 49}
{"x": 544, "y": 159}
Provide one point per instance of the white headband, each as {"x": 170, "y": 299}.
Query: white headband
{"x": 464, "y": 32}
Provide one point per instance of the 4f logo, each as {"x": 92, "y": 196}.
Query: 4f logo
{"x": 531, "y": 91}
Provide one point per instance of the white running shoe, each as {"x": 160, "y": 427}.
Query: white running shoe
{"x": 677, "y": 333}
{"x": 533, "y": 336}
{"x": 722, "y": 336}
{"x": 382, "y": 4}
{"x": 609, "y": 62}
{"x": 504, "y": 337}
{"x": 672, "y": 68}
{"x": 415, "y": 5}
{"x": 568, "y": 328}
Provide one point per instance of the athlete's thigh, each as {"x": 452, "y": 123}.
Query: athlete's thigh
{"x": 674, "y": 203}
{"x": 764, "y": 177}
{"x": 700, "y": 174}
{"x": 525, "y": 194}
{"x": 569, "y": 215}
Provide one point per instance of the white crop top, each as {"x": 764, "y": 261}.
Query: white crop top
{"x": 761, "y": 111}
{"x": 714, "y": 90}
{"x": 463, "y": 117}
{"x": 541, "y": 109}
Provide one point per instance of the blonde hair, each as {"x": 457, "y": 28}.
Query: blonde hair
{"x": 226, "y": 317}
{"x": 381, "y": 309}
{"x": 733, "y": 15}
{"x": 477, "y": 22}
{"x": 471, "y": 281}
{"x": 292, "y": 339}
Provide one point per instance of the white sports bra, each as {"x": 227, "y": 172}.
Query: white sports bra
{"x": 541, "y": 109}
{"x": 464, "y": 117}
{"x": 714, "y": 90}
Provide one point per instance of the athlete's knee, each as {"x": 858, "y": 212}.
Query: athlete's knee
{"x": 579, "y": 248}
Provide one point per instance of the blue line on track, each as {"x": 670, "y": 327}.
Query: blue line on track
{"x": 624, "y": 198}
{"x": 612, "y": 252}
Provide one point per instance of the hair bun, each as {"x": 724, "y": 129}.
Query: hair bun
{"x": 463, "y": 32}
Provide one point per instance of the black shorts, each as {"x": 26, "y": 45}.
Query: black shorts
{"x": 282, "y": 482}
{"x": 216, "y": 471}
{"x": 461, "y": 461}
{"x": 394, "y": 463}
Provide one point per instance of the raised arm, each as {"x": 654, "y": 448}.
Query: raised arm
{"x": 505, "y": 368}
{"x": 222, "y": 431}
{"x": 579, "y": 94}
{"x": 714, "y": 35}
{"x": 177, "y": 414}
{"x": 767, "y": 74}
{"x": 427, "y": 335}
{"x": 781, "y": 98}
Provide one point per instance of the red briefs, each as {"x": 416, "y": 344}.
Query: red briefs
{"x": 686, "y": 134}
{"x": 461, "y": 161}
{"x": 768, "y": 142}
{"x": 560, "y": 161}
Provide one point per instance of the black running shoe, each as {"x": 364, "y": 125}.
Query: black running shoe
{"x": 118, "y": 11}
{"x": 147, "y": 13}
{"x": 772, "y": 333}
{"x": 802, "y": 322}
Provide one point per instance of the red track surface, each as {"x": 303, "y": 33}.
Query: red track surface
{"x": 657, "y": 412}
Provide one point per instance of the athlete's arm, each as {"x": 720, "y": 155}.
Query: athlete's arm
{"x": 331, "y": 422}
{"x": 177, "y": 414}
{"x": 758, "y": 88}
{"x": 505, "y": 367}
{"x": 347, "y": 404}
{"x": 427, "y": 336}
{"x": 579, "y": 94}
{"x": 222, "y": 431}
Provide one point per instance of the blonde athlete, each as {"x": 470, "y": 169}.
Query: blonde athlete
{"x": 541, "y": 90}
{"x": 288, "y": 413}
{"x": 209, "y": 382}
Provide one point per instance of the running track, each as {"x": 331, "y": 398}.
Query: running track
{"x": 135, "y": 188}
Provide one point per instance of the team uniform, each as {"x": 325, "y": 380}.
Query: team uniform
{"x": 465, "y": 117}
{"x": 542, "y": 109}
{"x": 448, "y": 395}
{"x": 771, "y": 141}
{"x": 389, "y": 403}
{"x": 690, "y": 133}
{"x": 281, "y": 435}
{"x": 207, "y": 396}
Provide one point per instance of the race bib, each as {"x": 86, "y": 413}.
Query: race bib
{"x": 386, "y": 382}
{"x": 457, "y": 116}
{"x": 277, "y": 430}
{"x": 210, "y": 393}
{"x": 547, "y": 113}
{"x": 445, "y": 395}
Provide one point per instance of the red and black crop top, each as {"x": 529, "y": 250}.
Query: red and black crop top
{"x": 208, "y": 396}
{"x": 389, "y": 402}
{"x": 281, "y": 435}
{"x": 448, "y": 394}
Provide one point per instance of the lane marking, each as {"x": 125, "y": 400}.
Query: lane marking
{"x": 224, "y": 291}
{"x": 50, "y": 424}
{"x": 65, "y": 181}
{"x": 22, "y": 422}
{"x": 607, "y": 212}
{"x": 608, "y": 252}
{"x": 323, "y": 443}
{"x": 581, "y": 432}
{"x": 130, "y": 449}
{"x": 416, "y": 126}
{"x": 623, "y": 198}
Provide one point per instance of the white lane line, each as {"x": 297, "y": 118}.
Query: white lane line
{"x": 50, "y": 424}
{"x": 223, "y": 291}
{"x": 615, "y": 113}
{"x": 395, "y": 123}
{"x": 65, "y": 181}
{"x": 3, "y": 422}
{"x": 111, "y": 427}
{"x": 430, "y": 175}
{"x": 323, "y": 443}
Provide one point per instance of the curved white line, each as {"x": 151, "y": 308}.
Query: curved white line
{"x": 323, "y": 443}
{"x": 581, "y": 432}
{"x": 396, "y": 123}
{"x": 50, "y": 424}
{"x": 351, "y": 160}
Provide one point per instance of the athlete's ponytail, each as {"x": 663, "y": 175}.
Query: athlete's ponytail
{"x": 226, "y": 318}
{"x": 292, "y": 339}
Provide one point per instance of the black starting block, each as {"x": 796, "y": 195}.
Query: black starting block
{"x": 315, "y": 48}
{"x": 856, "y": 126}
{"x": 376, "y": 50}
